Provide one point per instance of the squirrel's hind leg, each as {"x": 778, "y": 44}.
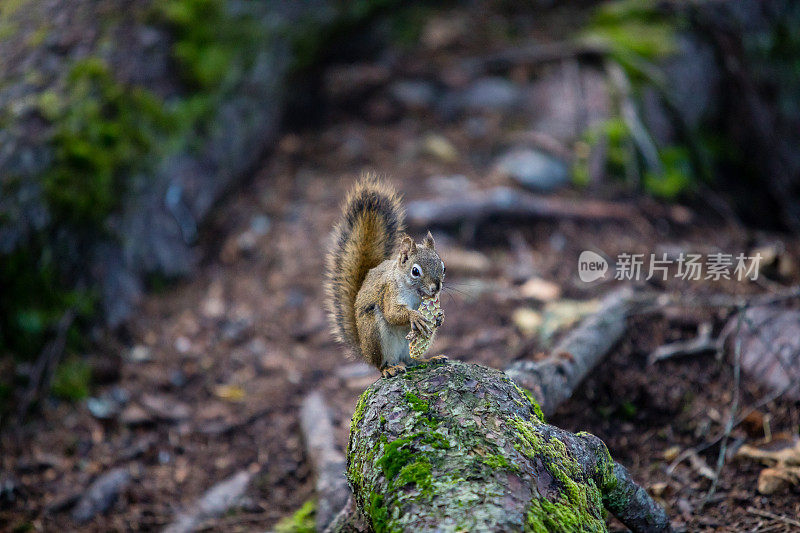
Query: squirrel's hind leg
{"x": 393, "y": 370}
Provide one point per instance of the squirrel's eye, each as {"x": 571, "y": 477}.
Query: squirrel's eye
{"x": 415, "y": 271}
{"x": 444, "y": 268}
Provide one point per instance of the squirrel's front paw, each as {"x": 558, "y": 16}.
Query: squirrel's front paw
{"x": 420, "y": 324}
{"x": 439, "y": 319}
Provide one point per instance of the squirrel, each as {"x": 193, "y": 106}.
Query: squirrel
{"x": 377, "y": 276}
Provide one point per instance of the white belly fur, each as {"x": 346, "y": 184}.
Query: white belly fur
{"x": 393, "y": 342}
{"x": 393, "y": 338}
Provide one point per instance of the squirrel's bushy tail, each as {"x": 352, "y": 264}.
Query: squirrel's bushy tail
{"x": 372, "y": 220}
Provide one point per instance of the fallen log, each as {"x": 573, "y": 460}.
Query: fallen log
{"x": 477, "y": 206}
{"x": 328, "y": 462}
{"x": 460, "y": 447}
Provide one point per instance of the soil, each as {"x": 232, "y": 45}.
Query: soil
{"x": 229, "y": 354}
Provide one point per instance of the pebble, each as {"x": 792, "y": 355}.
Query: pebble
{"x": 413, "y": 94}
{"x": 492, "y": 94}
{"x": 101, "y": 494}
{"x": 534, "y": 170}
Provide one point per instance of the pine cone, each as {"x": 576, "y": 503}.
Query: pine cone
{"x": 419, "y": 342}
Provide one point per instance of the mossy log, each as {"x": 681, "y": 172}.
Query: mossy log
{"x": 460, "y": 447}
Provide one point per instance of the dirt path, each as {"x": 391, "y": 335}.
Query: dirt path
{"x": 214, "y": 368}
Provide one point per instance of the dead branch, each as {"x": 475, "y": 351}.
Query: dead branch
{"x": 535, "y": 54}
{"x": 773, "y": 516}
{"x": 42, "y": 373}
{"x": 214, "y": 502}
{"x": 328, "y": 462}
{"x": 704, "y": 342}
{"x": 477, "y": 206}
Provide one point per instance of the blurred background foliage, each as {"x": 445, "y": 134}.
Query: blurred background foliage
{"x": 162, "y": 108}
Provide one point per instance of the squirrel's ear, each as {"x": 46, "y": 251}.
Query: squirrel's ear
{"x": 407, "y": 247}
{"x": 428, "y": 241}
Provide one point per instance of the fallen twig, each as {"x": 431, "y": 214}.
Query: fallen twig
{"x": 773, "y": 516}
{"x": 631, "y": 117}
{"x": 42, "y": 373}
{"x": 101, "y": 494}
{"x": 534, "y": 54}
{"x": 214, "y": 502}
{"x": 704, "y": 342}
{"x": 737, "y": 371}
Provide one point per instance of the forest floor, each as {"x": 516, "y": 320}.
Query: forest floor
{"x": 214, "y": 368}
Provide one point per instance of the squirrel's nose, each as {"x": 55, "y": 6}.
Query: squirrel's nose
{"x": 436, "y": 286}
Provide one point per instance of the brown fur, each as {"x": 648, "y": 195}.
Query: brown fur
{"x": 372, "y": 220}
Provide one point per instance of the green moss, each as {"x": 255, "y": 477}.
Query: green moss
{"x": 440, "y": 456}
{"x": 396, "y": 455}
{"x": 579, "y": 506}
{"x": 71, "y": 380}
{"x": 34, "y": 300}
{"x": 205, "y": 40}
{"x": 417, "y": 473}
{"x": 536, "y": 408}
{"x": 379, "y": 514}
{"x": 302, "y": 521}
{"x": 498, "y": 462}
{"x": 103, "y": 132}
{"x": 361, "y": 406}
{"x": 417, "y": 404}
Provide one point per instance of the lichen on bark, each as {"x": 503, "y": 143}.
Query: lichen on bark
{"x": 460, "y": 447}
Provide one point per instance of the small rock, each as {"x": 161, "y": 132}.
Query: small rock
{"x": 534, "y": 170}
{"x": 527, "y": 321}
{"x": 120, "y": 395}
{"x": 490, "y": 94}
{"x": 350, "y": 80}
{"x": 8, "y": 488}
{"x": 439, "y": 147}
{"x": 260, "y": 225}
{"x": 540, "y": 289}
{"x": 104, "y": 408}
{"x": 165, "y": 407}
{"x": 413, "y": 94}
{"x": 444, "y": 185}
{"x": 183, "y": 344}
{"x": 770, "y": 347}
{"x": 236, "y": 330}
{"x": 214, "y": 304}
{"x": 177, "y": 378}
{"x": 101, "y": 494}
{"x": 140, "y": 353}
{"x": 133, "y": 415}
{"x": 230, "y": 393}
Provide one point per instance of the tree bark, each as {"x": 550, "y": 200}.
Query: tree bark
{"x": 455, "y": 446}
